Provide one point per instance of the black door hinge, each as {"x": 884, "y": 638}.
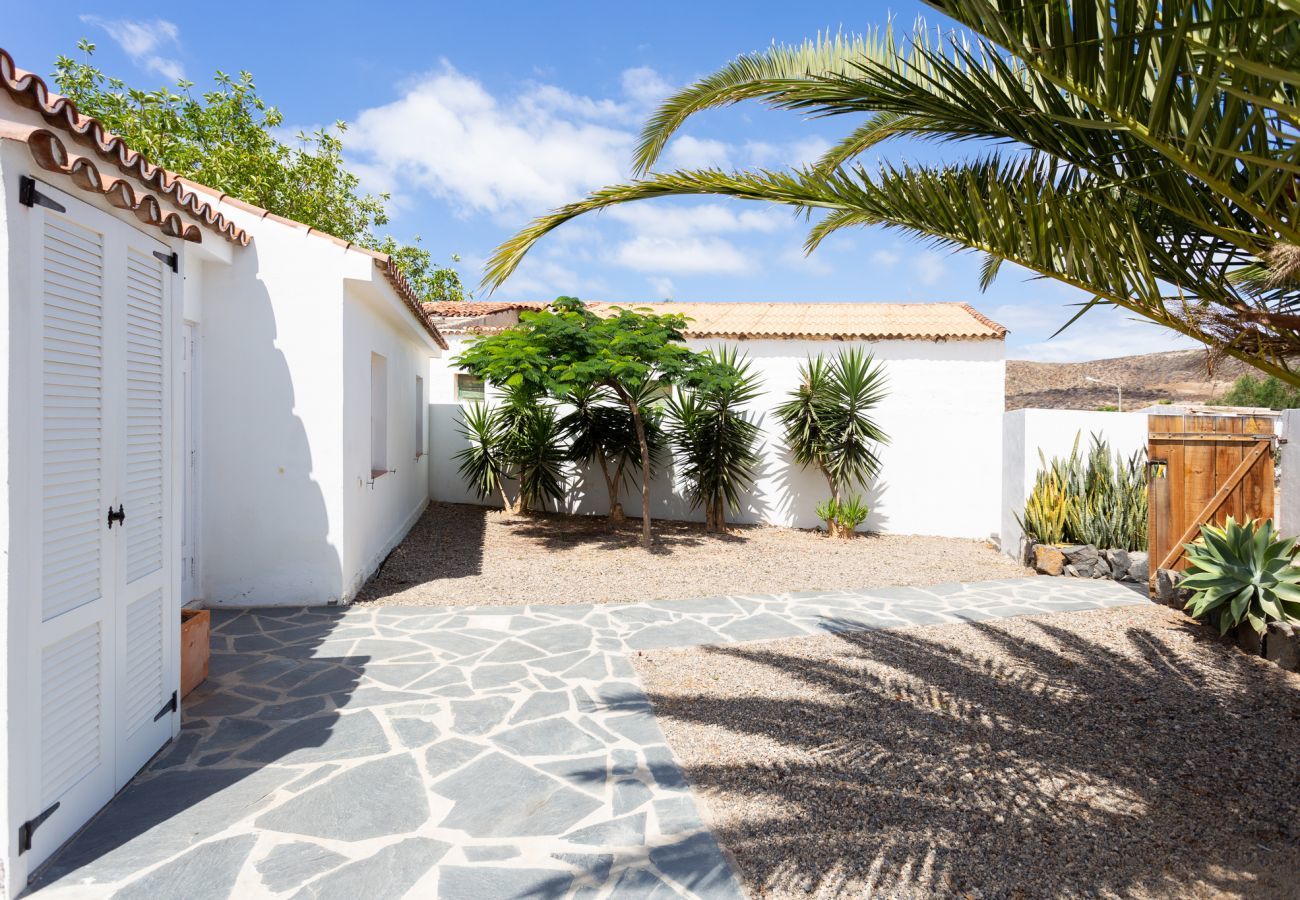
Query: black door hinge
{"x": 168, "y": 707}
{"x": 28, "y": 828}
{"x": 119, "y": 516}
{"x": 171, "y": 260}
{"x": 29, "y": 196}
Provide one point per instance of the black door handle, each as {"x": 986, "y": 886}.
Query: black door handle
{"x": 119, "y": 517}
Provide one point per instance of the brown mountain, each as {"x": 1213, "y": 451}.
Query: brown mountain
{"x": 1180, "y": 376}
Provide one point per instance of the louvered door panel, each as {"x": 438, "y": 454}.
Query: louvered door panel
{"x": 145, "y": 415}
{"x": 71, "y": 711}
{"x": 72, "y": 345}
{"x": 142, "y": 688}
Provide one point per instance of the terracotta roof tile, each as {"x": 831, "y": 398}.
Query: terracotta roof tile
{"x": 30, "y": 91}
{"x": 813, "y": 321}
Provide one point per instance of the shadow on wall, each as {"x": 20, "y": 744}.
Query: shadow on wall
{"x": 1013, "y": 760}
{"x": 265, "y": 529}
{"x": 270, "y": 707}
{"x": 445, "y": 544}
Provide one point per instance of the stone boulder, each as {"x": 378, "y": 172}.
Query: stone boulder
{"x": 1139, "y": 567}
{"x": 1119, "y": 563}
{"x": 1083, "y": 557}
{"x": 1048, "y": 560}
{"x": 1282, "y": 645}
{"x": 1167, "y": 591}
{"x": 1249, "y": 639}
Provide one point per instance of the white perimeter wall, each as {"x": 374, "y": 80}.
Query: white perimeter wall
{"x": 1027, "y": 431}
{"x": 1287, "y": 500}
{"x": 377, "y": 516}
{"x": 939, "y": 471}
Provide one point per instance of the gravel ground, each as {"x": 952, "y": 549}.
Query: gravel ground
{"x": 459, "y": 555}
{"x": 1110, "y": 753}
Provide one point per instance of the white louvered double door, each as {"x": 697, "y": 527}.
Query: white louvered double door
{"x": 103, "y": 629}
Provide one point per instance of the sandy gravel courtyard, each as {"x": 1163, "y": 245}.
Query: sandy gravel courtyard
{"x": 466, "y": 555}
{"x": 1109, "y": 753}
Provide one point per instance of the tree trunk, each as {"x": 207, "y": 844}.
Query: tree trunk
{"x": 506, "y": 506}
{"x": 645, "y": 476}
{"x": 616, "y": 516}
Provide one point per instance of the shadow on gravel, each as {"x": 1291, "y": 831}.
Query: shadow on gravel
{"x": 1010, "y": 759}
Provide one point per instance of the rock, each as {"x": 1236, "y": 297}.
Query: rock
{"x": 1083, "y": 557}
{"x": 1071, "y": 571}
{"x": 1119, "y": 563}
{"x": 1282, "y": 645}
{"x": 1048, "y": 560}
{"x": 1139, "y": 568}
{"x": 1249, "y": 639}
{"x": 1101, "y": 569}
{"x": 1167, "y": 587}
{"x": 1026, "y": 555}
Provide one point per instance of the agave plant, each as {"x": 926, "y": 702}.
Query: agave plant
{"x": 1246, "y": 572}
{"x": 716, "y": 439}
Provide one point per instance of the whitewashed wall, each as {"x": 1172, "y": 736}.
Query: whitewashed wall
{"x": 1288, "y": 488}
{"x": 1025, "y": 432}
{"x": 286, "y": 332}
{"x": 377, "y": 515}
{"x": 939, "y": 471}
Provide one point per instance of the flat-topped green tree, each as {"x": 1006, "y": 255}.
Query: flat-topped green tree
{"x": 566, "y": 348}
{"x": 600, "y": 430}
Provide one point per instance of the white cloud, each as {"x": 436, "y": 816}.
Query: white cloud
{"x": 661, "y": 286}
{"x": 651, "y": 253}
{"x": 688, "y": 152}
{"x": 143, "y": 42}
{"x": 448, "y": 136}
{"x": 1102, "y": 333}
{"x": 706, "y": 218}
{"x": 927, "y": 267}
{"x": 884, "y": 258}
{"x": 645, "y": 87}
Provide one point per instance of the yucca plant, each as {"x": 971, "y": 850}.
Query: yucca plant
{"x": 846, "y": 514}
{"x": 716, "y": 439}
{"x": 534, "y": 447}
{"x": 1245, "y": 572}
{"x": 486, "y": 462}
{"x": 828, "y": 422}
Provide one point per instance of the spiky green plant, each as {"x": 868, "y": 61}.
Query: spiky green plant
{"x": 1098, "y": 499}
{"x": 486, "y": 462}
{"x": 828, "y": 420}
{"x": 847, "y": 514}
{"x": 716, "y": 439}
{"x": 1139, "y": 150}
{"x": 1246, "y": 572}
{"x": 535, "y": 449}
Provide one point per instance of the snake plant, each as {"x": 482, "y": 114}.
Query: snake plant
{"x": 1245, "y": 571}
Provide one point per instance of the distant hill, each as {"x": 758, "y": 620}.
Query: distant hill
{"x": 1177, "y": 375}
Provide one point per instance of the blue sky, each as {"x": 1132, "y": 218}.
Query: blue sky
{"x": 476, "y": 117}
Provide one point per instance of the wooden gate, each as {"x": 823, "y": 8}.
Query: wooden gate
{"x": 1203, "y": 469}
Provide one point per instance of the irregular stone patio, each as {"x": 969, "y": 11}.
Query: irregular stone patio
{"x": 458, "y": 753}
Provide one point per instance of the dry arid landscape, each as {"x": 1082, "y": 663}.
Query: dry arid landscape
{"x": 1181, "y": 376}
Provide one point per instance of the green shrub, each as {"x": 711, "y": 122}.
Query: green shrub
{"x": 1245, "y": 570}
{"x": 1099, "y": 499}
{"x": 1266, "y": 393}
{"x": 844, "y": 516}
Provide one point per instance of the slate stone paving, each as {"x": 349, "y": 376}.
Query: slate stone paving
{"x": 481, "y": 753}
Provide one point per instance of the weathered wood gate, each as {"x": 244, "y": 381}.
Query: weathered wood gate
{"x": 1204, "y": 468}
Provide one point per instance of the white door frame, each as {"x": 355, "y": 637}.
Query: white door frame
{"x": 191, "y": 394}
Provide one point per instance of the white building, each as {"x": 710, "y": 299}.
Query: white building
{"x": 202, "y": 402}
{"x": 945, "y": 365}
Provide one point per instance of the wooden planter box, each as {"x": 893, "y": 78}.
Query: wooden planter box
{"x": 195, "y": 630}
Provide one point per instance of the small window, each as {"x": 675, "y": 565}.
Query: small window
{"x": 419, "y": 417}
{"x": 378, "y": 415}
{"x": 469, "y": 388}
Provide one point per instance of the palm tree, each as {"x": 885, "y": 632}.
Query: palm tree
{"x": 828, "y": 424}
{"x": 1139, "y": 150}
{"x": 521, "y": 441}
{"x": 716, "y": 438}
{"x": 486, "y": 462}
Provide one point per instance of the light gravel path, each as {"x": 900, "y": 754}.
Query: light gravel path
{"x": 493, "y": 752}
{"x": 1111, "y": 753}
{"x": 459, "y": 555}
